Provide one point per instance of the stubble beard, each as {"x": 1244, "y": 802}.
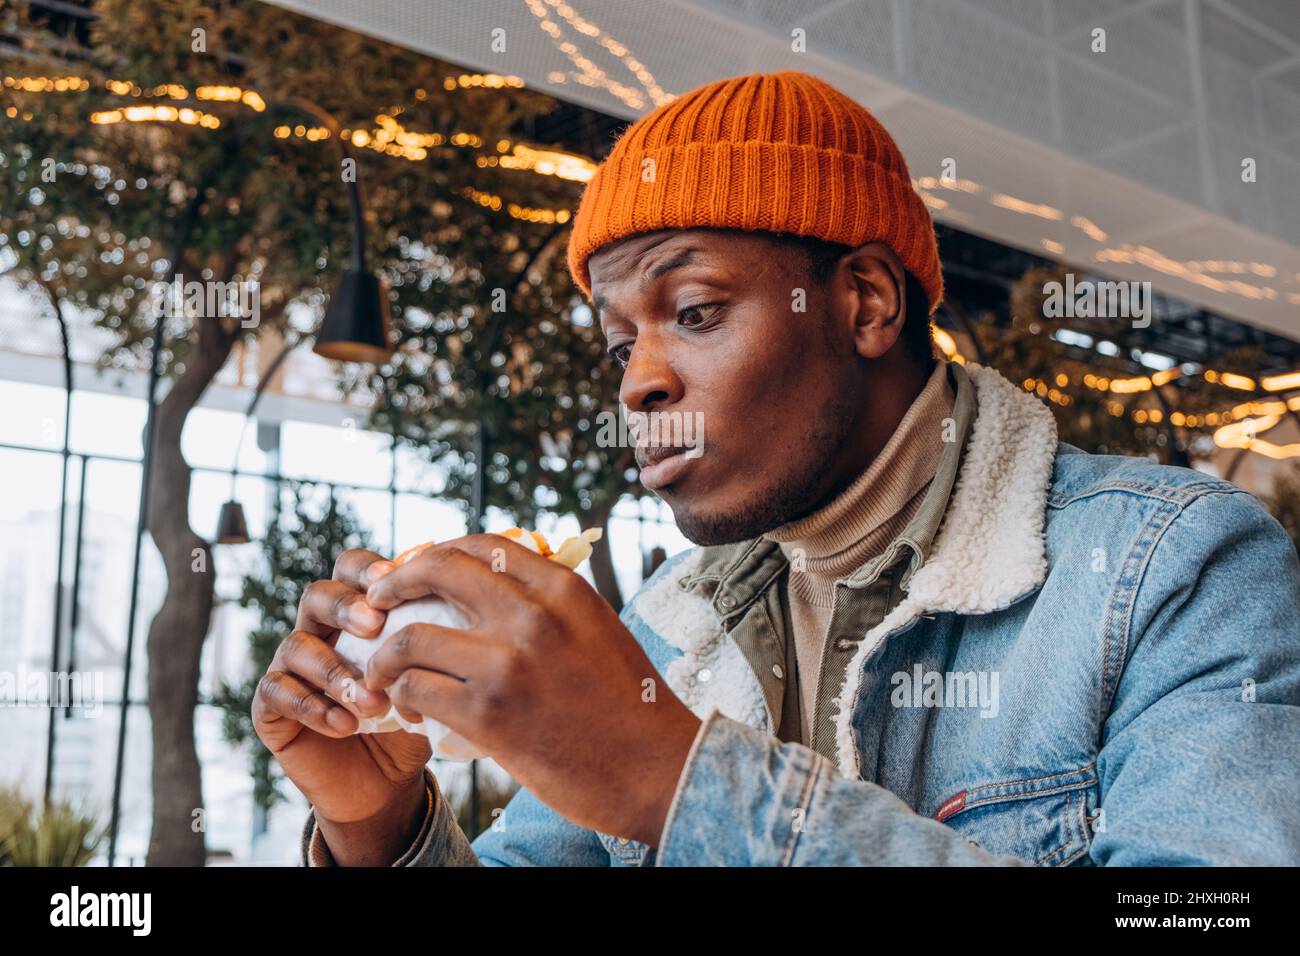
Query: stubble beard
{"x": 794, "y": 495}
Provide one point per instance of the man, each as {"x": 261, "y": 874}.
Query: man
{"x": 918, "y": 630}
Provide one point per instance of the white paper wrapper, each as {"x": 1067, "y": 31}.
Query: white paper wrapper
{"x": 434, "y": 610}
{"x": 358, "y": 650}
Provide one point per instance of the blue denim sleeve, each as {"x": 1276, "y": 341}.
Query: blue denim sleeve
{"x": 529, "y": 833}
{"x": 525, "y": 833}
{"x": 747, "y": 799}
{"x": 1200, "y": 763}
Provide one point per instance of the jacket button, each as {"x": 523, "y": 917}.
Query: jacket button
{"x": 704, "y": 674}
{"x": 776, "y": 669}
{"x": 727, "y": 601}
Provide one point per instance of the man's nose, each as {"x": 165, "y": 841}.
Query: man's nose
{"x": 649, "y": 379}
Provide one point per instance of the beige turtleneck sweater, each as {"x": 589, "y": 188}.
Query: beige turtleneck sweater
{"x": 858, "y": 525}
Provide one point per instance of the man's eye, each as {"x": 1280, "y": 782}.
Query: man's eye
{"x": 621, "y": 354}
{"x": 694, "y": 316}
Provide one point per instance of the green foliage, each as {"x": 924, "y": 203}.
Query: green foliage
{"x": 536, "y": 380}
{"x": 479, "y": 340}
{"x": 58, "y": 835}
{"x": 308, "y": 530}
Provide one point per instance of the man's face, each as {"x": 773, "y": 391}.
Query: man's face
{"x": 704, "y": 323}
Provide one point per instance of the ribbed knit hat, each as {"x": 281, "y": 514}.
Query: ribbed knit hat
{"x": 778, "y": 152}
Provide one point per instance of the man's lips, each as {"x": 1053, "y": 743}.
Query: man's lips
{"x": 653, "y": 454}
{"x": 661, "y": 464}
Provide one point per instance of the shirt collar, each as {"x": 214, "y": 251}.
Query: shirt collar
{"x": 919, "y": 534}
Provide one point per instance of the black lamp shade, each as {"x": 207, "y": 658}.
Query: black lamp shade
{"x": 231, "y": 526}
{"x": 355, "y": 328}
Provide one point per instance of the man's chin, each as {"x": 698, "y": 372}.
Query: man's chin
{"x": 705, "y": 527}
{"x": 726, "y": 515}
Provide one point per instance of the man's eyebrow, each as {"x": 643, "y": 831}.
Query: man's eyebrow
{"x": 603, "y": 309}
{"x": 683, "y": 258}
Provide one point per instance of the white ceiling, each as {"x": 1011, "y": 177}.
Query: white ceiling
{"x": 1143, "y": 142}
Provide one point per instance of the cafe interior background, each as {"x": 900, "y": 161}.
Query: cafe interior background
{"x": 1137, "y": 141}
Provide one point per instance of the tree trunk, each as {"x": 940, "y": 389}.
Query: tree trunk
{"x": 178, "y": 630}
{"x": 602, "y": 563}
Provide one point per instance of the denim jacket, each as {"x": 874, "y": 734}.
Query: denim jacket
{"x": 1097, "y": 664}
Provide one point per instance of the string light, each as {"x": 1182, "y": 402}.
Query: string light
{"x": 232, "y": 94}
{"x": 312, "y": 133}
{"x": 947, "y": 182}
{"x": 933, "y": 201}
{"x": 1245, "y": 434}
{"x": 1278, "y": 383}
{"x": 1088, "y": 228}
{"x": 543, "y": 162}
{"x": 589, "y": 73}
{"x": 466, "y": 81}
{"x": 1041, "y": 210}
{"x": 47, "y": 84}
{"x": 496, "y": 203}
{"x": 1242, "y": 383}
{"x": 388, "y": 136}
{"x": 1153, "y": 259}
{"x": 947, "y": 344}
{"x": 156, "y": 114}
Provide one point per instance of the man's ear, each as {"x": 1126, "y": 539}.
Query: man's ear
{"x": 877, "y": 296}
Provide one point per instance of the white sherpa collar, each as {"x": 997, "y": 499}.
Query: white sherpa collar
{"x": 711, "y": 672}
{"x": 989, "y": 552}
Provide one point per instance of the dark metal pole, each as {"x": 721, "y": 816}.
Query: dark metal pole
{"x": 319, "y": 113}
{"x": 57, "y": 639}
{"x": 141, "y": 521}
{"x": 74, "y": 608}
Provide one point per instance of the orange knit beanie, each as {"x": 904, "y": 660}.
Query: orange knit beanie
{"x": 779, "y": 152}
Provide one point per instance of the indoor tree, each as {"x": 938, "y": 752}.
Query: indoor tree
{"x": 133, "y": 204}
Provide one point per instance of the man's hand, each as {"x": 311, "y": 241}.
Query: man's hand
{"x": 367, "y": 790}
{"x": 546, "y": 679}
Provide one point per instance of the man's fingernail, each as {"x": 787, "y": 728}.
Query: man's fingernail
{"x": 339, "y": 718}
{"x": 366, "y": 616}
{"x": 377, "y": 570}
